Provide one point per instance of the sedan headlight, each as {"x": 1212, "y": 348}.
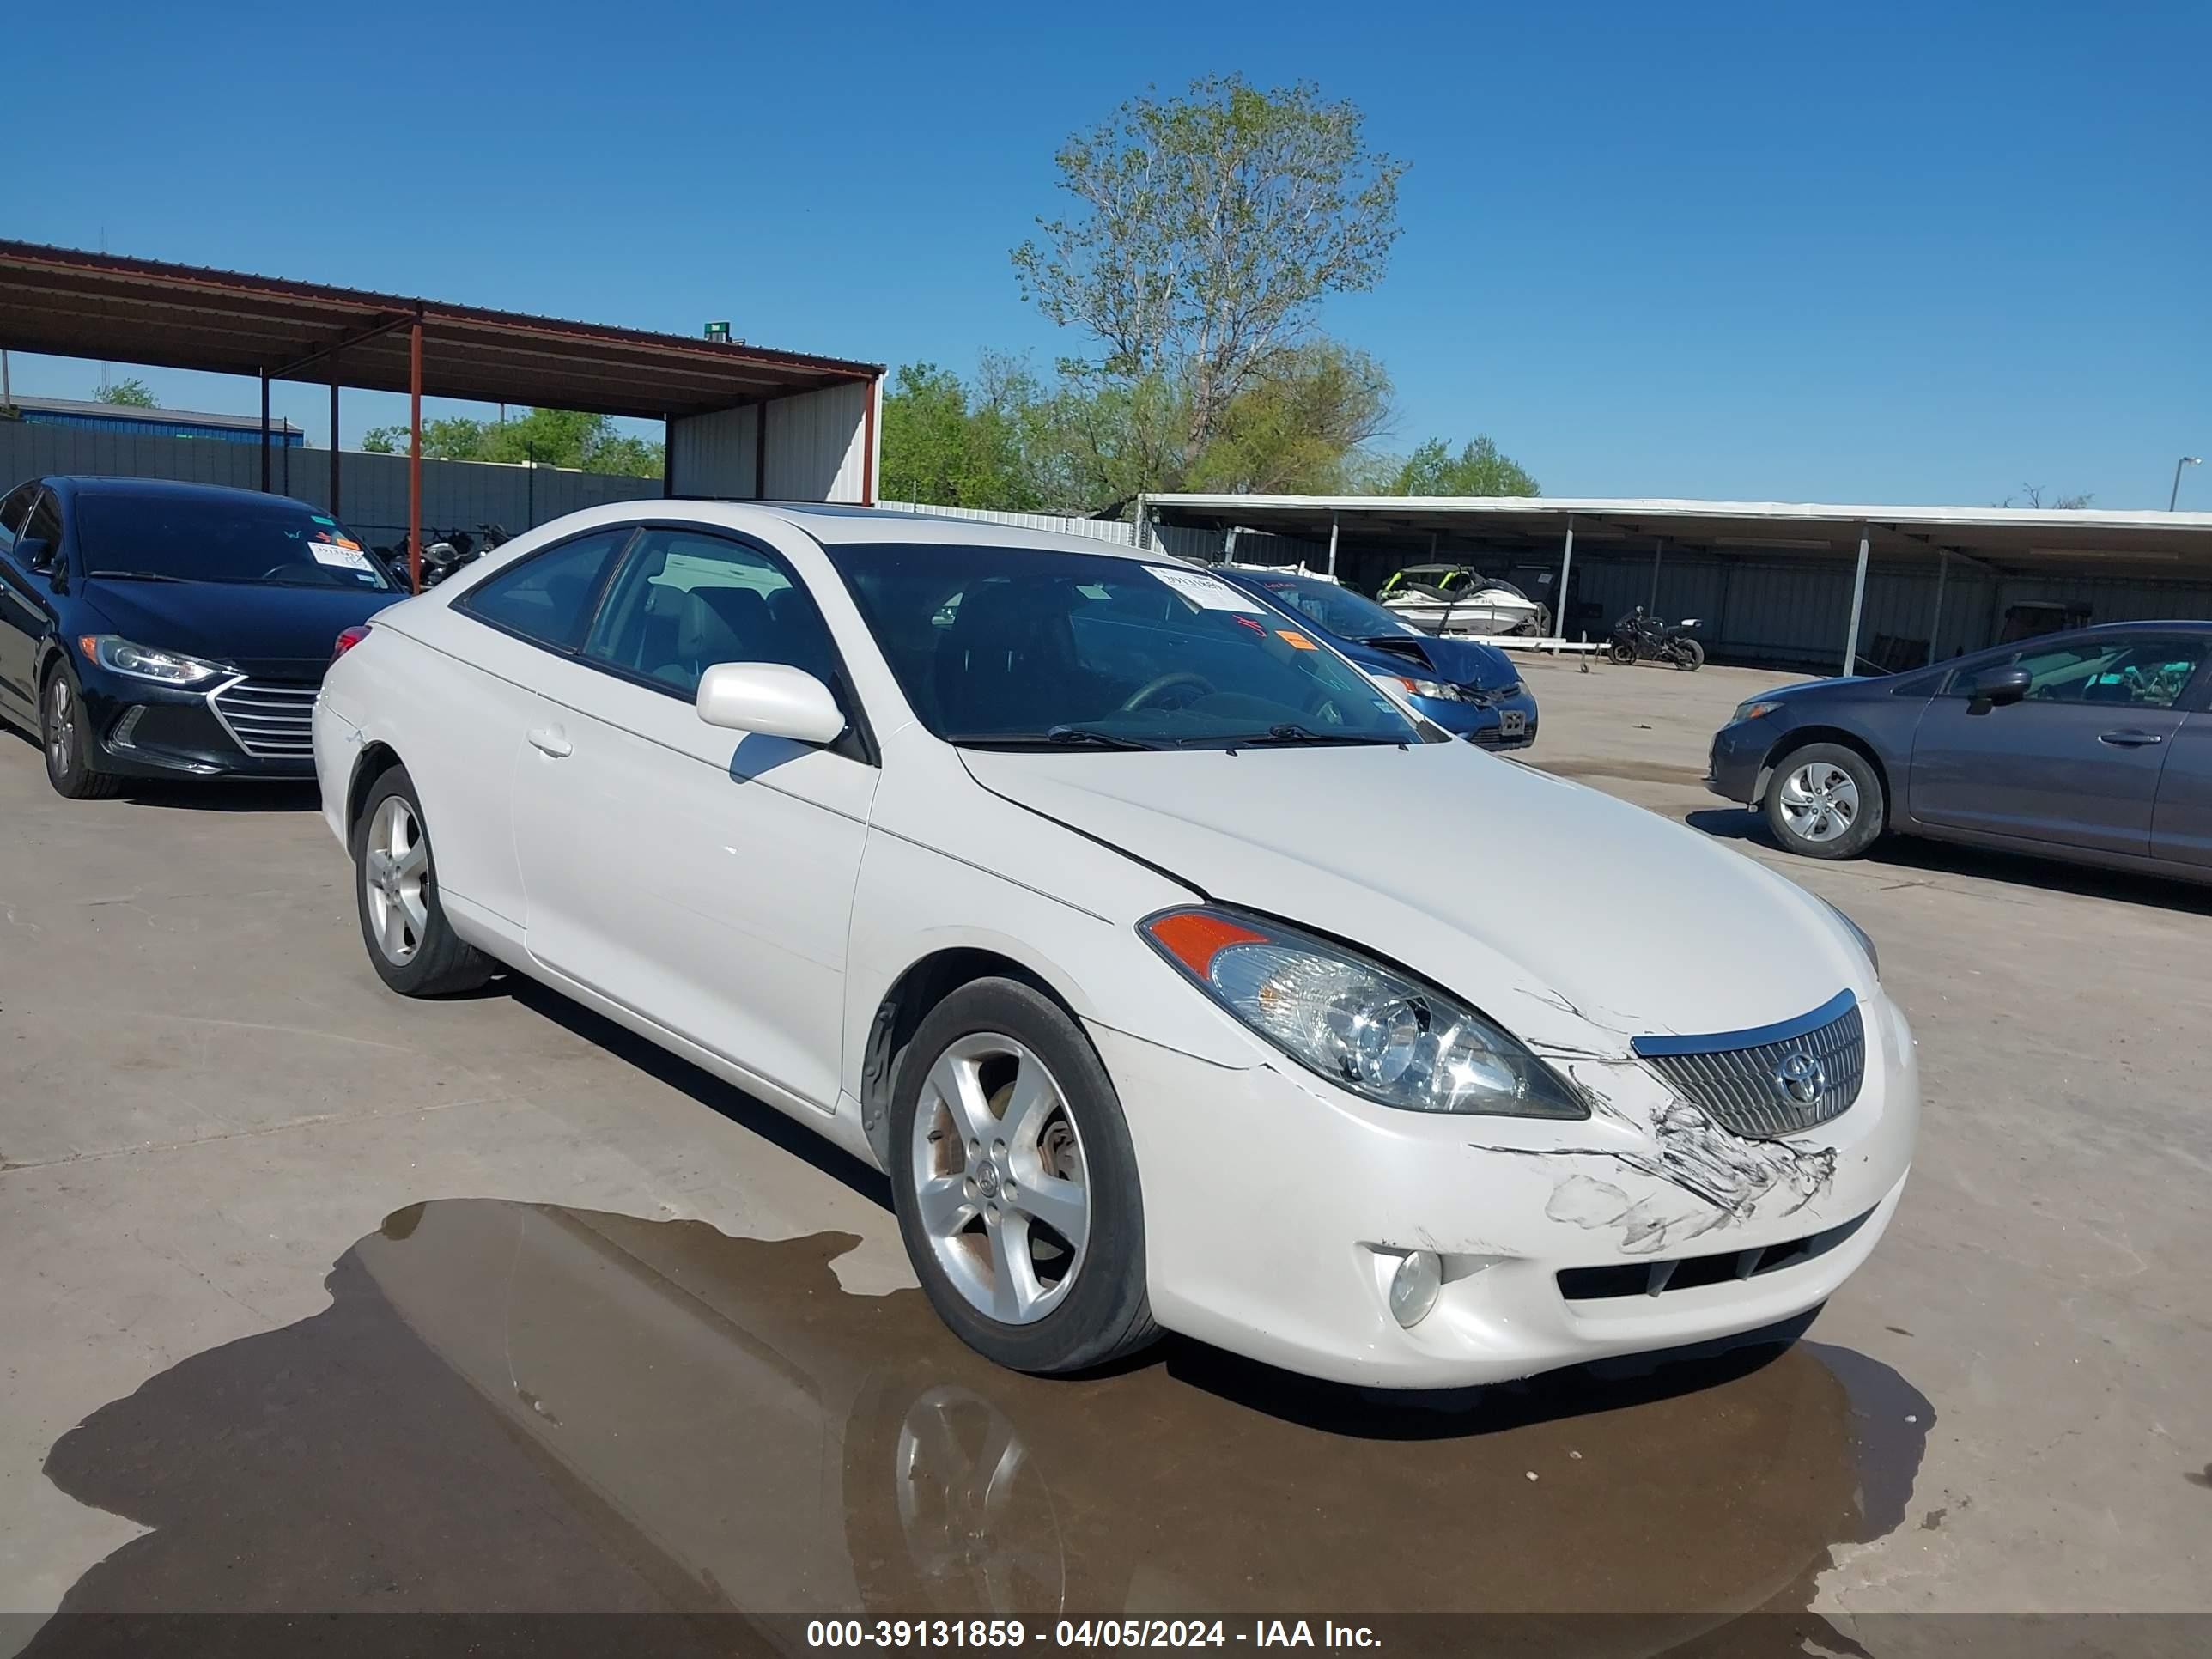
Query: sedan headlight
{"x": 1413, "y": 688}
{"x": 1757, "y": 708}
{"x": 1866, "y": 944}
{"x": 1364, "y": 1027}
{"x": 120, "y": 656}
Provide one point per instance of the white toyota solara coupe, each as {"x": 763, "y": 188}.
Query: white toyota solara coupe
{"x": 1097, "y": 905}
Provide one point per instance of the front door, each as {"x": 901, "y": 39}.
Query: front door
{"x": 699, "y": 876}
{"x": 2077, "y": 761}
{"x": 25, "y": 611}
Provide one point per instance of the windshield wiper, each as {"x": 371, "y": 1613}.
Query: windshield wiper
{"x": 1288, "y": 732}
{"x": 1057, "y": 736}
{"x": 134, "y": 576}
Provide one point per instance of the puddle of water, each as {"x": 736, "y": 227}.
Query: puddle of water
{"x": 521, "y": 1408}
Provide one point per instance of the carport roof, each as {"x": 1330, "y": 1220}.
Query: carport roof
{"x": 77, "y": 304}
{"x": 2021, "y": 539}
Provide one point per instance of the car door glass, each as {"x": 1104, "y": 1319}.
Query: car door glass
{"x": 686, "y": 600}
{"x": 14, "y": 509}
{"x": 45, "y": 524}
{"x": 547, "y": 597}
{"x": 2149, "y": 674}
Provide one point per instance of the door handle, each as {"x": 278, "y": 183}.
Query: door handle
{"x": 2130, "y": 739}
{"x": 550, "y": 740}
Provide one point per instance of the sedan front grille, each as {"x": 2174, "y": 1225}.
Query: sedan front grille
{"x": 1776, "y": 1081}
{"x": 269, "y": 719}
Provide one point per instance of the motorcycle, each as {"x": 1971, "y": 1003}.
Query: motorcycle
{"x": 1638, "y": 638}
{"x": 457, "y": 550}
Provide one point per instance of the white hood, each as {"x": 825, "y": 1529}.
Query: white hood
{"x": 1576, "y": 920}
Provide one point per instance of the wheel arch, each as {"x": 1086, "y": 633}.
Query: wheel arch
{"x": 924, "y": 983}
{"x": 376, "y": 758}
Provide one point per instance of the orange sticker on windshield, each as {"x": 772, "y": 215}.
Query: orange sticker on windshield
{"x": 1296, "y": 641}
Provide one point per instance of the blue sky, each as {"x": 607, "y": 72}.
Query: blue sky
{"x": 1850, "y": 253}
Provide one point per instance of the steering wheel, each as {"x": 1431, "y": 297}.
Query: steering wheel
{"x": 1144, "y": 694}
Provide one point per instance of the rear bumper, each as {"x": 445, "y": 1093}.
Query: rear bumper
{"x": 1276, "y": 1209}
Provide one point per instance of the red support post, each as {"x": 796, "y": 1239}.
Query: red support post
{"x": 415, "y": 455}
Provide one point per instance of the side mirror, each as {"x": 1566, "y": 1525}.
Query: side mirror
{"x": 36, "y": 552}
{"x": 1999, "y": 687}
{"x": 771, "y": 699}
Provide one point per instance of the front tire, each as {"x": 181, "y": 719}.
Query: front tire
{"x": 1622, "y": 654}
{"x": 65, "y": 734}
{"x": 411, "y": 942}
{"x": 1826, "y": 801}
{"x": 1016, "y": 1184}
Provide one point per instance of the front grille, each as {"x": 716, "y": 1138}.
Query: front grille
{"x": 1743, "y": 1083}
{"x": 1688, "y": 1272}
{"x": 270, "y": 721}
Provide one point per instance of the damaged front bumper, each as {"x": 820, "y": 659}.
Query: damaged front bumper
{"x": 1276, "y": 1208}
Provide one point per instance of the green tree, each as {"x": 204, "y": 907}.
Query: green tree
{"x": 550, "y": 437}
{"x": 1300, "y": 426}
{"x": 133, "y": 394}
{"x": 947, "y": 444}
{"x": 1478, "y": 470}
{"x": 1208, "y": 228}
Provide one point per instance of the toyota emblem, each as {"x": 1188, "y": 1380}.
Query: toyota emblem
{"x": 1801, "y": 1079}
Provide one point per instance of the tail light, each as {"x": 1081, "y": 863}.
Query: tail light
{"x": 349, "y": 639}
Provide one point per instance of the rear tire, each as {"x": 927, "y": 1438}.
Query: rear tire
{"x": 1016, "y": 1184}
{"x": 1689, "y": 656}
{"x": 1825, "y": 801}
{"x": 411, "y": 942}
{"x": 66, "y": 737}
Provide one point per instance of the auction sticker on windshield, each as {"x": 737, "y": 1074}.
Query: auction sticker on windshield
{"x": 1202, "y": 591}
{"x": 342, "y": 558}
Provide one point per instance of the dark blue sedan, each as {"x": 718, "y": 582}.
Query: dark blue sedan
{"x": 172, "y": 630}
{"x": 1471, "y": 689}
{"x": 2094, "y": 746}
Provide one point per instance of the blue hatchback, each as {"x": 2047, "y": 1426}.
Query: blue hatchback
{"x": 1471, "y": 689}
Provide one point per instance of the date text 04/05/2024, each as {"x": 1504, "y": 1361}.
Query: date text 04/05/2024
{"x": 896, "y": 1635}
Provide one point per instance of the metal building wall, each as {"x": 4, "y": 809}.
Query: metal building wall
{"x": 713, "y": 455}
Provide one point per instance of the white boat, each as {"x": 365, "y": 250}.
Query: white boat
{"x": 1457, "y": 598}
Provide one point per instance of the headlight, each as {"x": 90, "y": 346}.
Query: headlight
{"x": 1866, "y": 944}
{"x": 1413, "y": 688}
{"x": 1757, "y": 708}
{"x": 142, "y": 663}
{"x": 1363, "y": 1027}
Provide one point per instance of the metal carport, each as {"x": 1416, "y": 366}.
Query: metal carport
{"x": 741, "y": 420}
{"x": 1938, "y": 573}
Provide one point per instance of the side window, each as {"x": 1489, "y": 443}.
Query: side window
{"x": 686, "y": 600}
{"x": 2149, "y": 674}
{"x": 548, "y": 597}
{"x": 15, "y": 508}
{"x": 45, "y": 524}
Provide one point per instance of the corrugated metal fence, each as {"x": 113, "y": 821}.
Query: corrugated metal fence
{"x": 372, "y": 489}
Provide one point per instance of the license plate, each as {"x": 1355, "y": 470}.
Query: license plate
{"x": 1512, "y": 723}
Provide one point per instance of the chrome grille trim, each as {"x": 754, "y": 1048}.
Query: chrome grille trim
{"x": 1735, "y": 1079}
{"x": 267, "y": 719}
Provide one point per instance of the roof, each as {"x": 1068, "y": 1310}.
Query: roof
{"x": 832, "y": 524}
{"x": 2008, "y": 539}
{"x": 155, "y": 417}
{"x": 123, "y": 485}
{"x": 79, "y": 304}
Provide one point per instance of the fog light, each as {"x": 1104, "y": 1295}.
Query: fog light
{"x": 1413, "y": 1287}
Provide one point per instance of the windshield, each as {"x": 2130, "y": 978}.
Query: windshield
{"x": 1001, "y": 646}
{"x": 229, "y": 538}
{"x": 1348, "y": 615}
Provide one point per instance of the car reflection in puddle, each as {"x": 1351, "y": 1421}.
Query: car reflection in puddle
{"x": 517, "y": 1407}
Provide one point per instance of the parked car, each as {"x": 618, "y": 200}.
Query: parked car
{"x": 1068, "y": 886}
{"x": 2094, "y": 746}
{"x": 171, "y": 630}
{"x": 1471, "y": 689}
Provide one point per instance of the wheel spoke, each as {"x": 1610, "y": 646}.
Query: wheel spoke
{"x": 999, "y": 1466}
{"x": 955, "y": 1081}
{"x": 394, "y": 933}
{"x": 1032, "y": 1100}
{"x": 1014, "y": 1287}
{"x": 1062, "y": 1205}
{"x": 417, "y": 912}
{"x": 414, "y": 860}
{"x": 945, "y": 1206}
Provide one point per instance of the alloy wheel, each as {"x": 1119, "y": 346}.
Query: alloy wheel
{"x": 1820, "y": 801}
{"x": 395, "y": 874}
{"x": 1000, "y": 1184}
{"x": 61, "y": 725}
